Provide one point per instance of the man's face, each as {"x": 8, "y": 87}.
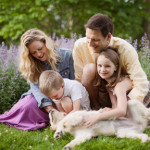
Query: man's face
{"x": 96, "y": 41}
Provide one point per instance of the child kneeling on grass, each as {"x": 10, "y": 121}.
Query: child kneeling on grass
{"x": 68, "y": 95}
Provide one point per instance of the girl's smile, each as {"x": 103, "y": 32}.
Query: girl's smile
{"x": 105, "y": 67}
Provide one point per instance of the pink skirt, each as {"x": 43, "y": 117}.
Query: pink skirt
{"x": 25, "y": 115}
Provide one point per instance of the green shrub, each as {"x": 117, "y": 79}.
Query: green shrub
{"x": 12, "y": 86}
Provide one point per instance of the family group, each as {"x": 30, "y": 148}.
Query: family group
{"x": 102, "y": 71}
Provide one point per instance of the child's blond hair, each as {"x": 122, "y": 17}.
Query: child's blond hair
{"x": 50, "y": 80}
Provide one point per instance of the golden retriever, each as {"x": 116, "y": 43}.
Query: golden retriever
{"x": 131, "y": 126}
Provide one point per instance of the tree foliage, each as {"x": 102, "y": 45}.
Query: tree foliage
{"x": 69, "y": 16}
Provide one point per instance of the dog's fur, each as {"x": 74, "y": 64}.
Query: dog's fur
{"x": 131, "y": 126}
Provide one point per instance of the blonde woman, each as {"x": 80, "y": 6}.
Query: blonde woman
{"x": 38, "y": 53}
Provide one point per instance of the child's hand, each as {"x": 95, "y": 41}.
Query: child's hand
{"x": 90, "y": 119}
{"x": 105, "y": 109}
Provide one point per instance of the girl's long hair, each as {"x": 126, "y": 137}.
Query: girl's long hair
{"x": 30, "y": 67}
{"x": 113, "y": 56}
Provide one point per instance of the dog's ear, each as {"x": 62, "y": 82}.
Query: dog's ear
{"x": 51, "y": 112}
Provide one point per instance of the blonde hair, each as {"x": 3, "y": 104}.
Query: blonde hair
{"x": 30, "y": 67}
{"x": 50, "y": 80}
{"x": 113, "y": 56}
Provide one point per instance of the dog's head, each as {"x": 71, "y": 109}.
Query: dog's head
{"x": 55, "y": 116}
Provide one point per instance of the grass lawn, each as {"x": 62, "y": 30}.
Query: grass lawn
{"x": 13, "y": 139}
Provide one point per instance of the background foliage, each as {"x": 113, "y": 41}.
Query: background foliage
{"x": 65, "y": 17}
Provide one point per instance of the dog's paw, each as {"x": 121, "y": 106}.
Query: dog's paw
{"x": 58, "y": 135}
{"x": 66, "y": 148}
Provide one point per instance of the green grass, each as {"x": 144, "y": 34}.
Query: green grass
{"x": 13, "y": 139}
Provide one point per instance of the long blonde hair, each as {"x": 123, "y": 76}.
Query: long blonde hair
{"x": 30, "y": 67}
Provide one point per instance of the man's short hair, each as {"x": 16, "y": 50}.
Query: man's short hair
{"x": 100, "y": 22}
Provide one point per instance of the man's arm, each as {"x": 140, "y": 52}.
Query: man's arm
{"x": 137, "y": 75}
